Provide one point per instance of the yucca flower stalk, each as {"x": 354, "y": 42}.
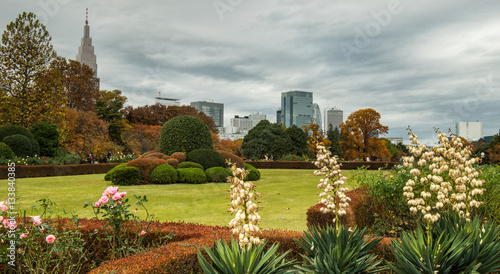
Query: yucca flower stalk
{"x": 333, "y": 195}
{"x": 242, "y": 194}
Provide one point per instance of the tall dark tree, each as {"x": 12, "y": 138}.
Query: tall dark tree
{"x": 47, "y": 136}
{"x": 266, "y": 138}
{"x": 28, "y": 93}
{"x": 299, "y": 139}
{"x": 108, "y": 109}
{"x": 333, "y": 135}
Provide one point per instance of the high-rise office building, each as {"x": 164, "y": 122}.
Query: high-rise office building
{"x": 256, "y": 117}
{"x": 317, "y": 116}
{"x": 471, "y": 131}
{"x": 333, "y": 117}
{"x": 296, "y": 108}
{"x": 278, "y": 117}
{"x": 244, "y": 123}
{"x": 86, "y": 53}
{"x": 211, "y": 109}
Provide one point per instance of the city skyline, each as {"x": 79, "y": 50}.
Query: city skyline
{"x": 421, "y": 64}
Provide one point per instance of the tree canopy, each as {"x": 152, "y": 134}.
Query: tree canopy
{"x": 266, "y": 138}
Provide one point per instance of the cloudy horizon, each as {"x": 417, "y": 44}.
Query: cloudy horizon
{"x": 420, "y": 63}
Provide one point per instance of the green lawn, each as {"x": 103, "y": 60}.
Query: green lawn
{"x": 286, "y": 196}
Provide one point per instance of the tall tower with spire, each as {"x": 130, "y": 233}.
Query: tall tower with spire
{"x": 86, "y": 53}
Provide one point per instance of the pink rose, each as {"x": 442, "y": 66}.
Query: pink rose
{"x": 104, "y": 200}
{"x": 110, "y": 191}
{"x": 97, "y": 204}
{"x": 123, "y": 194}
{"x": 142, "y": 233}
{"x": 117, "y": 196}
{"x": 36, "y": 220}
{"x": 5, "y": 223}
{"x": 24, "y": 235}
{"x": 1, "y": 218}
{"x": 4, "y": 207}
{"x": 50, "y": 239}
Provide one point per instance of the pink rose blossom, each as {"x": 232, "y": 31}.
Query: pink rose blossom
{"x": 1, "y": 218}
{"x": 6, "y": 223}
{"x": 4, "y": 207}
{"x": 24, "y": 235}
{"x": 117, "y": 196}
{"x": 97, "y": 204}
{"x": 104, "y": 200}
{"x": 110, "y": 191}
{"x": 123, "y": 194}
{"x": 36, "y": 220}
{"x": 142, "y": 233}
{"x": 50, "y": 239}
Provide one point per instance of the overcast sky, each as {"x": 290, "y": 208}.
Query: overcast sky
{"x": 421, "y": 63}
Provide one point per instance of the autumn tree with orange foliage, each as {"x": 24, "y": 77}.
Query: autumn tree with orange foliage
{"x": 85, "y": 133}
{"x": 142, "y": 138}
{"x": 315, "y": 137}
{"x": 359, "y": 136}
{"x": 230, "y": 146}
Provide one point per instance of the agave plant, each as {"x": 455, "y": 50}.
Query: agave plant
{"x": 252, "y": 260}
{"x": 456, "y": 246}
{"x": 331, "y": 251}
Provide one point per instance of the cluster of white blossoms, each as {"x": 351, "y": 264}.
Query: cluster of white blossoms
{"x": 443, "y": 178}
{"x": 333, "y": 195}
{"x": 242, "y": 194}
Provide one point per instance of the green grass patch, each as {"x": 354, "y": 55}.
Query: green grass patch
{"x": 286, "y": 196}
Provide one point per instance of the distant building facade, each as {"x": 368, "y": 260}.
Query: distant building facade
{"x": 86, "y": 53}
{"x": 256, "y": 117}
{"x": 333, "y": 117}
{"x": 211, "y": 109}
{"x": 296, "y": 108}
{"x": 471, "y": 131}
{"x": 243, "y": 123}
{"x": 278, "y": 117}
{"x": 317, "y": 116}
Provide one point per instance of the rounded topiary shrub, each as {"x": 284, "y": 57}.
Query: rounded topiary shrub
{"x": 20, "y": 145}
{"x": 164, "y": 174}
{"x": 184, "y": 134}
{"x": 206, "y": 157}
{"x": 146, "y": 165}
{"x": 5, "y": 151}
{"x": 232, "y": 158}
{"x": 190, "y": 165}
{"x": 156, "y": 155}
{"x": 254, "y": 174}
{"x": 47, "y": 136}
{"x": 217, "y": 174}
{"x": 145, "y": 154}
{"x": 109, "y": 174}
{"x": 173, "y": 162}
{"x": 127, "y": 176}
{"x": 12, "y": 130}
{"x": 180, "y": 156}
{"x": 191, "y": 176}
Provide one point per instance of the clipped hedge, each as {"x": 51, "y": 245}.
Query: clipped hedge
{"x": 206, "y": 157}
{"x": 180, "y": 156}
{"x": 12, "y": 130}
{"x": 146, "y": 165}
{"x": 173, "y": 162}
{"x": 109, "y": 174}
{"x": 127, "y": 176}
{"x": 254, "y": 174}
{"x": 56, "y": 170}
{"x": 191, "y": 176}
{"x": 156, "y": 155}
{"x": 232, "y": 158}
{"x": 190, "y": 165}
{"x": 217, "y": 174}
{"x": 20, "y": 145}
{"x": 6, "y": 151}
{"x": 164, "y": 174}
{"x": 184, "y": 134}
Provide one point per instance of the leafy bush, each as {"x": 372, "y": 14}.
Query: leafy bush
{"x": 145, "y": 154}
{"x": 146, "y": 165}
{"x": 173, "y": 162}
{"x": 5, "y": 151}
{"x": 206, "y": 157}
{"x": 455, "y": 246}
{"x": 180, "y": 156}
{"x": 490, "y": 207}
{"x": 331, "y": 251}
{"x": 127, "y": 176}
{"x": 157, "y": 155}
{"x": 232, "y": 158}
{"x": 121, "y": 158}
{"x": 254, "y": 174}
{"x": 217, "y": 174}
{"x": 164, "y": 174}
{"x": 184, "y": 134}
{"x": 191, "y": 176}
{"x": 47, "y": 136}
{"x": 190, "y": 165}
{"x": 109, "y": 174}
{"x": 235, "y": 259}
{"x": 291, "y": 157}
{"x": 20, "y": 145}
{"x": 12, "y": 130}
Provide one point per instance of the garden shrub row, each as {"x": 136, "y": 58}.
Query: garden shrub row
{"x": 24, "y": 171}
{"x": 310, "y": 165}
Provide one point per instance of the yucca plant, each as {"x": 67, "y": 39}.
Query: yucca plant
{"x": 329, "y": 250}
{"x": 456, "y": 246}
{"x": 252, "y": 260}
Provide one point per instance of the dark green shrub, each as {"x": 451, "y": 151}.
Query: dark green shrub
{"x": 47, "y": 136}
{"x": 12, "y": 130}
{"x": 232, "y": 158}
{"x": 254, "y": 174}
{"x": 184, "y": 134}
{"x": 191, "y": 176}
{"x": 190, "y": 165}
{"x": 127, "y": 176}
{"x": 20, "y": 145}
{"x": 217, "y": 174}
{"x": 109, "y": 174}
{"x": 206, "y": 157}
{"x": 5, "y": 151}
{"x": 146, "y": 165}
{"x": 164, "y": 174}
